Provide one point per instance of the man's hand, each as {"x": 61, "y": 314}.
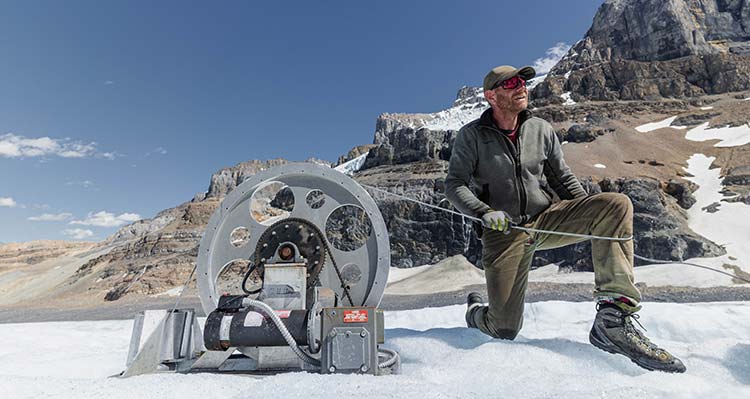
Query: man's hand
{"x": 496, "y": 220}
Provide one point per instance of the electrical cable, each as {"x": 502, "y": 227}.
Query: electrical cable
{"x": 283, "y": 330}
{"x": 392, "y": 357}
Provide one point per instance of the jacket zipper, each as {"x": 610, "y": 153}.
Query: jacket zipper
{"x": 520, "y": 189}
{"x": 520, "y": 179}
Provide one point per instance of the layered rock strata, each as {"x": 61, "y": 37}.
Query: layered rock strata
{"x": 644, "y": 49}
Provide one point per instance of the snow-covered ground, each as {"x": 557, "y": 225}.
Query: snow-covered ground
{"x": 728, "y": 136}
{"x": 453, "y": 118}
{"x": 352, "y": 166}
{"x": 727, "y": 226}
{"x": 659, "y": 125}
{"x": 441, "y": 359}
{"x": 567, "y": 99}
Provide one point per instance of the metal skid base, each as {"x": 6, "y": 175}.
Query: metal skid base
{"x": 174, "y": 344}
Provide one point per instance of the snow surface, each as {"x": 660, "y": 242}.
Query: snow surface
{"x": 551, "y": 358}
{"x": 600, "y": 166}
{"x": 659, "y": 125}
{"x": 729, "y": 136}
{"x": 567, "y": 99}
{"x": 531, "y": 83}
{"x": 707, "y": 108}
{"x": 729, "y": 225}
{"x": 453, "y": 118}
{"x": 352, "y": 166}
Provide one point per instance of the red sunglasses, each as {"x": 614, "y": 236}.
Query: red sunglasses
{"x": 511, "y": 83}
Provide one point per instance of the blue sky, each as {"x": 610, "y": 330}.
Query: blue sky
{"x": 119, "y": 109}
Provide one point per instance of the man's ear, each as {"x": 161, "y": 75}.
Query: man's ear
{"x": 489, "y": 95}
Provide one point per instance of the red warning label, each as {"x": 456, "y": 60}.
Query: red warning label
{"x": 355, "y": 316}
{"x": 283, "y": 314}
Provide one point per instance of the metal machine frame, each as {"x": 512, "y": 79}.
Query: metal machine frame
{"x": 338, "y": 312}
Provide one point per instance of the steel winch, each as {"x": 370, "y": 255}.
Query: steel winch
{"x": 290, "y": 271}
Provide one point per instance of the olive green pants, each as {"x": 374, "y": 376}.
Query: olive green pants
{"x": 507, "y": 257}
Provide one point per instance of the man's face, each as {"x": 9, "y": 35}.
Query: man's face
{"x": 514, "y": 100}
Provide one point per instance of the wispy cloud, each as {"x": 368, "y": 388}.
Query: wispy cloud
{"x": 51, "y": 217}
{"x": 157, "y": 151}
{"x": 109, "y": 82}
{"x": 83, "y": 183}
{"x": 107, "y": 219}
{"x": 8, "y": 202}
{"x": 551, "y": 57}
{"x": 14, "y": 146}
{"x": 78, "y": 234}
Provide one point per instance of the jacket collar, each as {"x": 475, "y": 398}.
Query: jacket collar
{"x": 486, "y": 119}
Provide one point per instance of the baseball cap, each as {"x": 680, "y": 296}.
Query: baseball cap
{"x": 503, "y": 72}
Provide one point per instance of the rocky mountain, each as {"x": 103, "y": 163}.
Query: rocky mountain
{"x": 646, "y": 49}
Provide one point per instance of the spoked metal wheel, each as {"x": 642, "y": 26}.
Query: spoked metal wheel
{"x": 323, "y": 206}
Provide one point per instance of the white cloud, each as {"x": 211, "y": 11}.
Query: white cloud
{"x": 84, "y": 183}
{"x": 107, "y": 219}
{"x": 109, "y": 82}
{"x": 8, "y": 202}
{"x": 13, "y": 146}
{"x": 157, "y": 151}
{"x": 50, "y": 217}
{"x": 552, "y": 56}
{"x": 78, "y": 234}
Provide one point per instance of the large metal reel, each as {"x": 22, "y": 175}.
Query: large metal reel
{"x": 323, "y": 196}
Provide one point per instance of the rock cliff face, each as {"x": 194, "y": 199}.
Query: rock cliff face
{"x": 227, "y": 179}
{"x": 645, "y": 49}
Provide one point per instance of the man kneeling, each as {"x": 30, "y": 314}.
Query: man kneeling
{"x": 513, "y": 160}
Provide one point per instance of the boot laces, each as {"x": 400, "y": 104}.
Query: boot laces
{"x": 639, "y": 336}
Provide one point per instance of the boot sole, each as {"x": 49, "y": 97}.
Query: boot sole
{"x": 613, "y": 349}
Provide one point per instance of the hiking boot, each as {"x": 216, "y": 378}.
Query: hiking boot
{"x": 613, "y": 331}
{"x": 473, "y": 304}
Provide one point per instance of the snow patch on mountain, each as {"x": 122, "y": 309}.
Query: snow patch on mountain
{"x": 351, "y": 167}
{"x": 567, "y": 99}
{"x": 728, "y": 225}
{"x": 729, "y": 136}
{"x": 659, "y": 125}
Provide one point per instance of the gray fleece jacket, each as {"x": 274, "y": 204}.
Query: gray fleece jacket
{"x": 487, "y": 171}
